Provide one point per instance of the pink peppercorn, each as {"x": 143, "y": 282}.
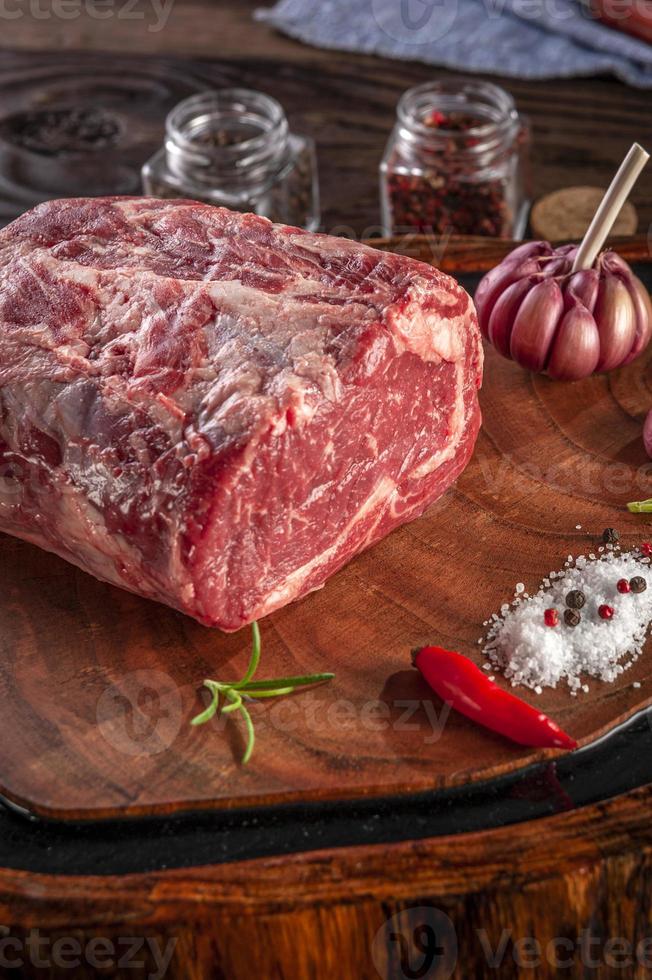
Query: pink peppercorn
{"x": 436, "y": 119}
{"x": 551, "y": 617}
{"x": 623, "y": 585}
{"x": 646, "y": 549}
{"x": 605, "y": 611}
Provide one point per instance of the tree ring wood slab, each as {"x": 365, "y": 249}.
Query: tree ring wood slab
{"x": 101, "y": 685}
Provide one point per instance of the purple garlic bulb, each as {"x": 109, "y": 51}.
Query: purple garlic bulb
{"x": 537, "y": 312}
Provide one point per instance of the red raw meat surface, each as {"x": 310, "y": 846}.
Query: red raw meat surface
{"x": 217, "y": 412}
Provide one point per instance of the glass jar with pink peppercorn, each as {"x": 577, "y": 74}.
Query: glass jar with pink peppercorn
{"x": 456, "y": 162}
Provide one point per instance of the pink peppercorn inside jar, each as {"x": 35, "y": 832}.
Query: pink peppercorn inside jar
{"x": 456, "y": 162}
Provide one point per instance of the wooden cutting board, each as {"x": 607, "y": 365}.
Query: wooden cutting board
{"x": 98, "y": 686}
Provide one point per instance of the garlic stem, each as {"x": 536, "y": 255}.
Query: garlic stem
{"x": 610, "y": 207}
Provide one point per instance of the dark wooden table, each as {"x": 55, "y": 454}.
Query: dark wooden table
{"x": 368, "y": 910}
{"x": 581, "y": 127}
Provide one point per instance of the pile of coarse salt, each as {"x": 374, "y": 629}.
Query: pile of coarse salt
{"x": 530, "y": 653}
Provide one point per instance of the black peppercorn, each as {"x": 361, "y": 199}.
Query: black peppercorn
{"x": 638, "y": 584}
{"x": 571, "y": 617}
{"x": 610, "y": 535}
{"x": 575, "y": 600}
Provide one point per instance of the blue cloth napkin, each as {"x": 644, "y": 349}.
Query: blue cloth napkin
{"x": 516, "y": 38}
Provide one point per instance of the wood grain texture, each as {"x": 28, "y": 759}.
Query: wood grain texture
{"x": 316, "y": 915}
{"x": 471, "y": 254}
{"x": 346, "y": 102}
{"x": 102, "y": 685}
{"x": 325, "y": 913}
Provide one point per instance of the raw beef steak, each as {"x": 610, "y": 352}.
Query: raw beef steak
{"x": 218, "y": 412}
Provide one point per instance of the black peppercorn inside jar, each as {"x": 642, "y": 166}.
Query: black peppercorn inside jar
{"x": 456, "y": 162}
{"x": 234, "y": 148}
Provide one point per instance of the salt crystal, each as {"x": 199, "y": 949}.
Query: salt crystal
{"x": 578, "y": 527}
{"x": 532, "y": 654}
{"x": 636, "y": 684}
{"x": 520, "y": 587}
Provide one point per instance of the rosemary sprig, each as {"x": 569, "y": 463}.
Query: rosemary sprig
{"x": 640, "y": 506}
{"x": 232, "y": 695}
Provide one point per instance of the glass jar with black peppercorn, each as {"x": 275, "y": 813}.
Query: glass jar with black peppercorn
{"x": 456, "y": 162}
{"x": 234, "y": 148}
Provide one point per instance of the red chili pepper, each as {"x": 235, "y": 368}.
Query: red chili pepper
{"x": 458, "y": 681}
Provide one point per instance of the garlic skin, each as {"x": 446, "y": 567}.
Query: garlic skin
{"x": 534, "y": 310}
{"x": 647, "y": 434}
{"x": 615, "y": 317}
{"x": 535, "y": 325}
{"x": 576, "y": 347}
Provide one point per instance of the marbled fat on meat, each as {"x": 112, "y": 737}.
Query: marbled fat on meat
{"x": 217, "y": 412}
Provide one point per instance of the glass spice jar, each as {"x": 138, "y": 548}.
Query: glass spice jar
{"x": 456, "y": 162}
{"x": 234, "y": 148}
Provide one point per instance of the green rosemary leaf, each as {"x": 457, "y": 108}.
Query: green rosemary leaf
{"x": 255, "y": 656}
{"x": 211, "y": 710}
{"x": 299, "y": 681}
{"x": 269, "y": 692}
{"x": 251, "y": 735}
{"x": 235, "y": 699}
{"x": 250, "y": 689}
{"x": 640, "y": 506}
